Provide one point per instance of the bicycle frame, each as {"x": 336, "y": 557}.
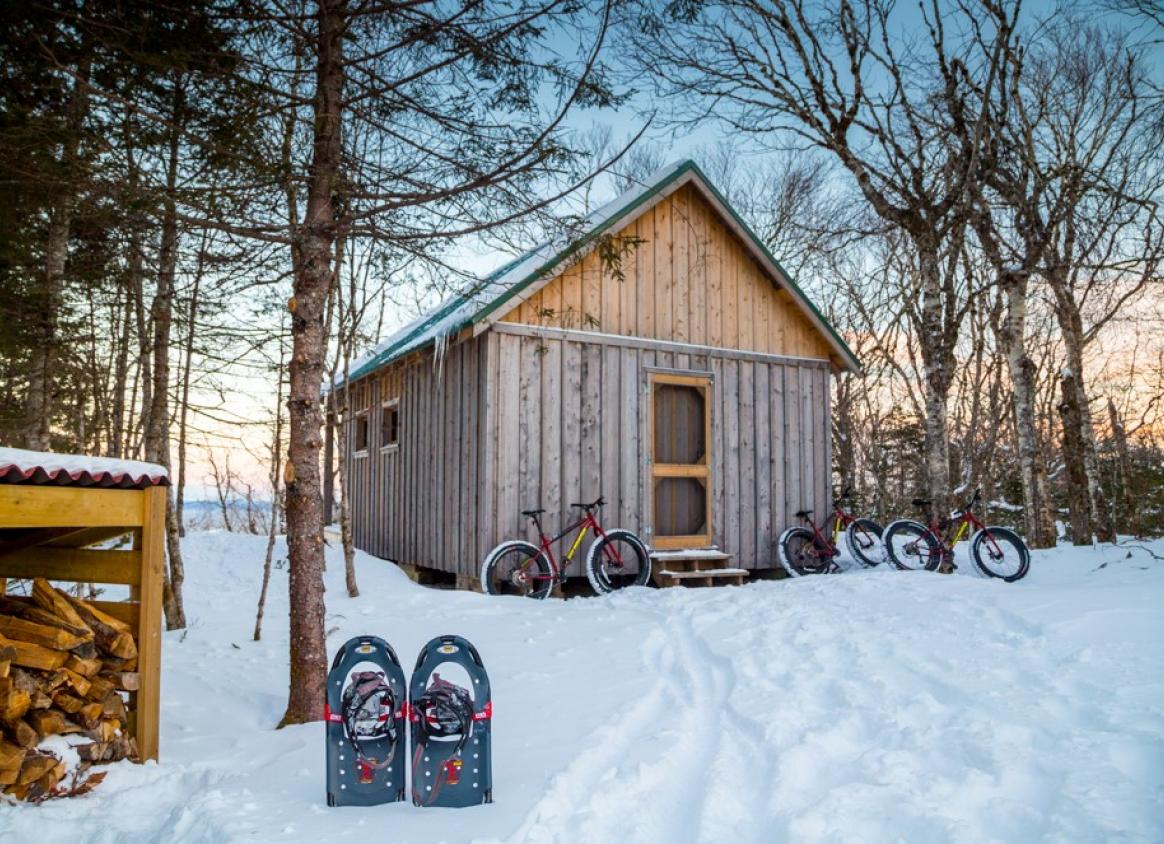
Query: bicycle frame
{"x": 966, "y": 520}
{"x": 546, "y": 542}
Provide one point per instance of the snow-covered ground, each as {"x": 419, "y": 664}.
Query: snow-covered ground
{"x": 871, "y": 706}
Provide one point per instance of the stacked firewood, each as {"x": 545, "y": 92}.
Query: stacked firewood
{"x": 64, "y": 668}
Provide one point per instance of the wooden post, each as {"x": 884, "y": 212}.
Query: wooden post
{"x": 328, "y": 466}
{"x": 149, "y": 642}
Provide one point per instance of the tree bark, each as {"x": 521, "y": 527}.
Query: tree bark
{"x": 276, "y": 477}
{"x": 314, "y": 277}
{"x": 937, "y": 355}
{"x": 42, "y": 363}
{"x": 1039, "y": 526}
{"x": 1078, "y": 502}
{"x": 1123, "y": 460}
{"x": 157, "y": 433}
{"x": 1071, "y": 325}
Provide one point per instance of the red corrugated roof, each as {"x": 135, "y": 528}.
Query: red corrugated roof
{"x": 18, "y": 466}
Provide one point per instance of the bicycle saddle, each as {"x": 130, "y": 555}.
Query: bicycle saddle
{"x": 922, "y": 502}
{"x": 532, "y": 513}
{"x": 803, "y": 514}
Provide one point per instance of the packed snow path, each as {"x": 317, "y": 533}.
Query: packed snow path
{"x": 868, "y": 706}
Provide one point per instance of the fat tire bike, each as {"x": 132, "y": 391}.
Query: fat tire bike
{"x": 616, "y": 559}
{"x": 996, "y": 551}
{"x": 807, "y": 550}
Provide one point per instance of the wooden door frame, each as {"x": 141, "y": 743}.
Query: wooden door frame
{"x": 703, "y": 381}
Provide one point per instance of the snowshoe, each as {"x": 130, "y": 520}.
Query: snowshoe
{"x": 365, "y": 718}
{"x": 451, "y": 762}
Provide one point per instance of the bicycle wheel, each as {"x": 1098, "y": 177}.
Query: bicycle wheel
{"x": 617, "y": 560}
{"x": 1000, "y": 552}
{"x": 911, "y": 546}
{"x": 517, "y": 568}
{"x": 863, "y": 538}
{"x": 801, "y": 554}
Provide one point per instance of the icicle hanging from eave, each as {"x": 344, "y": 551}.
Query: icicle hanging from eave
{"x": 440, "y": 349}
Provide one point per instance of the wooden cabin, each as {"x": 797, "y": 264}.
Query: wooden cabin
{"x": 658, "y": 356}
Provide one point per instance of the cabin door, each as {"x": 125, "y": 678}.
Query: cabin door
{"x": 680, "y": 459}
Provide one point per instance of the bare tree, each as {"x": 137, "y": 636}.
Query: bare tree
{"x": 835, "y": 77}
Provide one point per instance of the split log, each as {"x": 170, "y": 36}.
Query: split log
{"x": 84, "y": 667}
{"x": 112, "y": 634}
{"x": 75, "y": 681}
{"x": 100, "y": 688}
{"x": 31, "y": 632}
{"x": 51, "y": 722}
{"x": 21, "y": 733}
{"x": 67, "y": 703}
{"x": 14, "y": 702}
{"x": 34, "y": 656}
{"x": 53, "y": 601}
{"x": 114, "y": 707}
{"x": 127, "y": 681}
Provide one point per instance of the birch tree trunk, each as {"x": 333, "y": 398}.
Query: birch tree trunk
{"x": 1071, "y": 325}
{"x": 314, "y": 277}
{"x": 1039, "y": 526}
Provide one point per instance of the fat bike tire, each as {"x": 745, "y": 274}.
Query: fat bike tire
{"x": 517, "y": 568}
{"x": 1015, "y": 560}
{"x": 911, "y": 546}
{"x": 863, "y": 539}
{"x": 602, "y": 560}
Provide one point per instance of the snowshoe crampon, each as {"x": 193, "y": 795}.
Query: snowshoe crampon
{"x": 451, "y": 723}
{"x": 366, "y": 702}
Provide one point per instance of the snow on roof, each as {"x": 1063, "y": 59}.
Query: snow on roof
{"x": 18, "y": 466}
{"x": 482, "y": 297}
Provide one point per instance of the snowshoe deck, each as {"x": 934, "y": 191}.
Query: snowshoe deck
{"x": 369, "y": 770}
{"x": 450, "y": 726}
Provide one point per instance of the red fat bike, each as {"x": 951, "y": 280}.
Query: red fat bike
{"x": 616, "y": 559}
{"x": 807, "y": 550}
{"x": 996, "y": 551}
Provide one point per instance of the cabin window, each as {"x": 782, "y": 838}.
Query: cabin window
{"x": 681, "y": 459}
{"x": 390, "y": 424}
{"x": 360, "y": 434}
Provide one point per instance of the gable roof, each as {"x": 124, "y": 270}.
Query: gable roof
{"x": 487, "y": 300}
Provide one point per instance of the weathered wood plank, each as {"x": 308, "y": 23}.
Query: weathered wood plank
{"x": 529, "y": 425}
{"x": 549, "y": 438}
{"x": 747, "y": 466}
{"x": 763, "y": 462}
{"x": 680, "y": 268}
{"x": 610, "y": 422}
{"x": 573, "y": 403}
{"x": 630, "y": 440}
{"x": 731, "y": 434}
{"x": 591, "y": 468}
{"x": 508, "y": 444}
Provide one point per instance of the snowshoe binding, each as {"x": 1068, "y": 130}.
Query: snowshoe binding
{"x": 365, "y": 724}
{"x": 451, "y": 761}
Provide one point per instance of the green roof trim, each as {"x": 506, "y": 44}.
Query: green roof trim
{"x": 413, "y": 337}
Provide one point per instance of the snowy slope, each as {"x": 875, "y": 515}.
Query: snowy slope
{"x": 868, "y": 706}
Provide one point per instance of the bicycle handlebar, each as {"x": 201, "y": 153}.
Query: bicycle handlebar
{"x": 598, "y": 502}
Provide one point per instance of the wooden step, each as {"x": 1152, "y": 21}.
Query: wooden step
{"x": 702, "y": 577}
{"x": 690, "y": 559}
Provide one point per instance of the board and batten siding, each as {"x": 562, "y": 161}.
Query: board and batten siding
{"x": 686, "y": 278}
{"x": 417, "y": 502}
{"x": 770, "y": 435}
